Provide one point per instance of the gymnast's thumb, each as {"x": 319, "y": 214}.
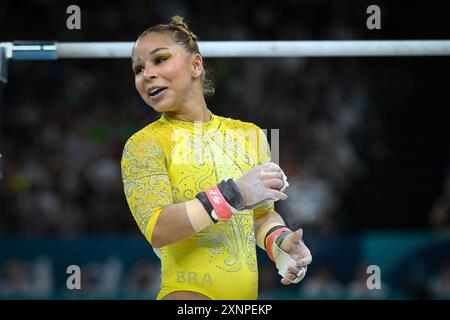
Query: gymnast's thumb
{"x": 297, "y": 236}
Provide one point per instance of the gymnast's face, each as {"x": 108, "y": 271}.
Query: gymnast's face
{"x": 163, "y": 71}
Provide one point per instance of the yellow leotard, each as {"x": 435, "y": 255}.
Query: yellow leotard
{"x": 170, "y": 161}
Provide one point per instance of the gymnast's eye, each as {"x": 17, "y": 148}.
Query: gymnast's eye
{"x": 161, "y": 58}
{"x": 138, "y": 69}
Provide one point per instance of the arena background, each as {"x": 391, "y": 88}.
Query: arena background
{"x": 364, "y": 142}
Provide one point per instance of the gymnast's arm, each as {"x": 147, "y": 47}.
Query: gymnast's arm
{"x": 149, "y": 194}
{"x": 283, "y": 246}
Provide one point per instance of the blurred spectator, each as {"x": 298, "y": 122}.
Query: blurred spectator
{"x": 144, "y": 280}
{"x": 439, "y": 286}
{"x": 322, "y": 285}
{"x": 16, "y": 280}
{"x": 42, "y": 278}
{"x": 268, "y": 282}
{"x": 440, "y": 211}
{"x": 440, "y": 214}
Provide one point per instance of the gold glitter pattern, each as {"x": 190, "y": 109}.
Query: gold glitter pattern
{"x": 170, "y": 161}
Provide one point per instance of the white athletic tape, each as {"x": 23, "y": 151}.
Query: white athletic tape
{"x": 283, "y": 261}
{"x": 198, "y": 217}
{"x": 301, "y": 274}
{"x": 285, "y": 182}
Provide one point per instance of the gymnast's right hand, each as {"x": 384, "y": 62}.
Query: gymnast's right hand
{"x": 262, "y": 183}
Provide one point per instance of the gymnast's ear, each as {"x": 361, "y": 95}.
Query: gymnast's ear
{"x": 197, "y": 66}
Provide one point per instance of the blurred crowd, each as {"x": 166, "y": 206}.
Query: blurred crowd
{"x": 65, "y": 124}
{"x": 62, "y": 152}
{"x": 110, "y": 279}
{"x": 62, "y": 149}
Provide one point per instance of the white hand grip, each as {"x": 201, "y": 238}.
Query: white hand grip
{"x": 284, "y": 261}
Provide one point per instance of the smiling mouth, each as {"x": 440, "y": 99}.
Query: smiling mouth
{"x": 156, "y": 92}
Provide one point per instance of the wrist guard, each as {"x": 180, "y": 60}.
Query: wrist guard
{"x": 222, "y": 200}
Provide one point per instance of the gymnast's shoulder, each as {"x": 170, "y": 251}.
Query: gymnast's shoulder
{"x": 150, "y": 134}
{"x": 237, "y": 124}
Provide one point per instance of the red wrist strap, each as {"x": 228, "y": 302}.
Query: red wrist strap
{"x": 218, "y": 202}
{"x": 271, "y": 239}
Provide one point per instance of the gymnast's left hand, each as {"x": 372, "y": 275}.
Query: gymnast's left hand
{"x": 299, "y": 252}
